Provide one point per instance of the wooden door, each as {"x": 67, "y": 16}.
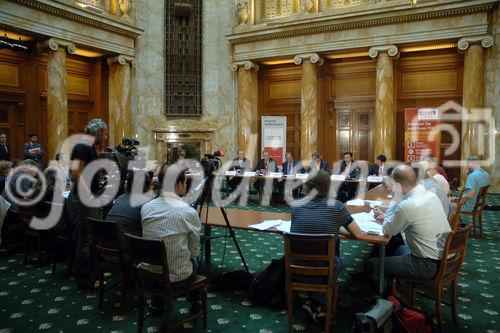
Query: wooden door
{"x": 354, "y": 130}
{"x": 12, "y": 123}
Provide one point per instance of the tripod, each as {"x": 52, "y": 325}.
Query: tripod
{"x": 204, "y": 201}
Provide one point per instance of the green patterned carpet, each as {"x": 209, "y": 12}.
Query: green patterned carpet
{"x": 32, "y": 299}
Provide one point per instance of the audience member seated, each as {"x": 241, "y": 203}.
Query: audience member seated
{"x": 170, "y": 219}
{"x": 430, "y": 184}
{"x": 239, "y": 164}
{"x": 351, "y": 170}
{"x": 421, "y": 217}
{"x": 439, "y": 167}
{"x": 319, "y": 216}
{"x": 265, "y": 165}
{"x": 318, "y": 163}
{"x": 5, "y": 170}
{"x": 43, "y": 206}
{"x": 126, "y": 210}
{"x": 430, "y": 166}
{"x": 476, "y": 179}
{"x": 25, "y": 175}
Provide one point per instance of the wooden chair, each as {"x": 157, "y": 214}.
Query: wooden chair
{"x": 26, "y": 214}
{"x": 455, "y": 218}
{"x": 311, "y": 257}
{"x": 451, "y": 263}
{"x": 105, "y": 244}
{"x": 477, "y": 211}
{"x": 153, "y": 252}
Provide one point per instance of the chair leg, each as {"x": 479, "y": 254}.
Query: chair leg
{"x": 335, "y": 299}
{"x": 170, "y": 311}
{"x": 413, "y": 294}
{"x": 453, "y": 296}
{"x": 328, "y": 319}
{"x": 437, "y": 307}
{"x": 481, "y": 224}
{"x": 205, "y": 306}
{"x": 101, "y": 287}
{"x": 290, "y": 310}
{"x": 474, "y": 225}
{"x": 140, "y": 320}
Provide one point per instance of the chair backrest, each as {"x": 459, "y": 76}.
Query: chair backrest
{"x": 105, "y": 240}
{"x": 147, "y": 252}
{"x": 481, "y": 199}
{"x": 310, "y": 255}
{"x": 454, "y": 218}
{"x": 453, "y": 254}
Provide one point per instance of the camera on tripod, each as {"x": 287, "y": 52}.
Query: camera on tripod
{"x": 211, "y": 163}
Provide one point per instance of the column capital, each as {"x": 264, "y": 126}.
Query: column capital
{"x": 314, "y": 58}
{"x": 485, "y": 41}
{"x": 248, "y": 65}
{"x": 391, "y": 50}
{"x": 121, "y": 60}
{"x": 53, "y": 44}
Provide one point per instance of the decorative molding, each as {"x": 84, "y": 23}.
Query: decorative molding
{"x": 121, "y": 60}
{"x": 328, "y": 26}
{"x": 391, "y": 50}
{"x": 485, "y": 40}
{"x": 53, "y": 44}
{"x": 84, "y": 18}
{"x": 314, "y": 58}
{"x": 248, "y": 65}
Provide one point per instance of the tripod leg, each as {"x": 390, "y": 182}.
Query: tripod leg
{"x": 233, "y": 236}
{"x": 208, "y": 243}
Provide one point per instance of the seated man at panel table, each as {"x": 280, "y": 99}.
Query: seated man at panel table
{"x": 421, "y": 217}
{"x": 289, "y": 168}
{"x": 476, "y": 179}
{"x": 319, "y": 216}
{"x": 172, "y": 220}
{"x": 265, "y": 165}
{"x": 351, "y": 170}
{"x": 318, "y": 163}
{"x": 239, "y": 164}
{"x": 379, "y": 168}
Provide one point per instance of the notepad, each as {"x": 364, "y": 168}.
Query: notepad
{"x": 285, "y": 226}
{"x": 355, "y": 202}
{"x": 266, "y": 224}
{"x": 374, "y": 203}
{"x": 368, "y": 224}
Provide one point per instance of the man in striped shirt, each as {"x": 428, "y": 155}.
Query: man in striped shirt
{"x": 322, "y": 216}
{"x": 172, "y": 220}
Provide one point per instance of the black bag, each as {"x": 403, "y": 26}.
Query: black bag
{"x": 238, "y": 280}
{"x": 269, "y": 287}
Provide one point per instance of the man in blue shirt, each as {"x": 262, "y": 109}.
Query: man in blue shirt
{"x": 476, "y": 179}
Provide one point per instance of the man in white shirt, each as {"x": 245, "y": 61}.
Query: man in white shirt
{"x": 421, "y": 217}
{"x": 172, "y": 220}
{"x": 430, "y": 166}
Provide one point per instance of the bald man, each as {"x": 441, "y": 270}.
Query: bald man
{"x": 421, "y": 217}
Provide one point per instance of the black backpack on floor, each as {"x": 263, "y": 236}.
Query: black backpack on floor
{"x": 269, "y": 287}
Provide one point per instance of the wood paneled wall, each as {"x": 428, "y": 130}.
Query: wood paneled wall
{"x": 23, "y": 95}
{"x": 429, "y": 80}
{"x": 279, "y": 95}
{"x": 346, "y": 92}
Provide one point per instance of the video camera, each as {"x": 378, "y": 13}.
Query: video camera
{"x": 211, "y": 163}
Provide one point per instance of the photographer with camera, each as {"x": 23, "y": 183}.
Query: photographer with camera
{"x": 86, "y": 151}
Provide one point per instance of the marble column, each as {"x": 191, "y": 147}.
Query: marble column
{"x": 385, "y": 100}
{"x": 57, "y": 96}
{"x": 248, "y": 113}
{"x": 120, "y": 108}
{"x": 473, "y": 140}
{"x": 309, "y": 105}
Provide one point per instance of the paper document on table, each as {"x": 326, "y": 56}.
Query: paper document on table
{"x": 367, "y": 223}
{"x": 374, "y": 203}
{"x": 284, "y": 226}
{"x": 264, "y": 225}
{"x": 355, "y": 202}
{"x": 66, "y": 194}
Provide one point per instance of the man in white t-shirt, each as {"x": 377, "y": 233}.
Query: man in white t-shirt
{"x": 430, "y": 166}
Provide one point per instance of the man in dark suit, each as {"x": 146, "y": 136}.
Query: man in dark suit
{"x": 4, "y": 148}
{"x": 239, "y": 164}
{"x": 379, "y": 168}
{"x": 265, "y": 165}
{"x": 33, "y": 150}
{"x": 290, "y": 167}
{"x": 318, "y": 163}
{"x": 351, "y": 170}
